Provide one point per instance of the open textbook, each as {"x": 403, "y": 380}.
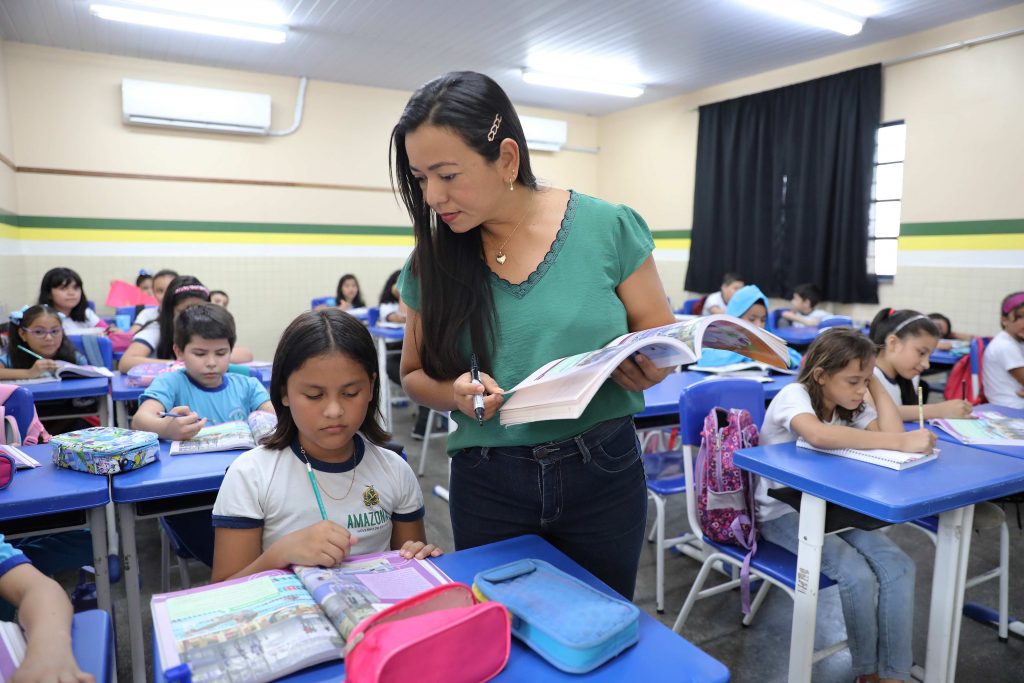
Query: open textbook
{"x": 989, "y": 428}
{"x": 894, "y": 460}
{"x": 229, "y": 436}
{"x": 747, "y": 369}
{"x": 65, "y": 370}
{"x": 562, "y": 388}
{"x": 12, "y": 649}
{"x": 265, "y": 626}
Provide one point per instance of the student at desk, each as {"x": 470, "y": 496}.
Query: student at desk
{"x": 827, "y": 407}
{"x": 805, "y": 313}
{"x": 750, "y": 304}
{"x": 716, "y": 302}
{"x": 178, "y": 404}
{"x": 1003, "y": 362}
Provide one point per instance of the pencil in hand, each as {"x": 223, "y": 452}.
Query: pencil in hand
{"x": 920, "y": 407}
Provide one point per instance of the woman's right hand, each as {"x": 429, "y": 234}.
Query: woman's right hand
{"x": 41, "y": 367}
{"x": 464, "y": 390}
{"x": 917, "y": 441}
{"x": 324, "y": 544}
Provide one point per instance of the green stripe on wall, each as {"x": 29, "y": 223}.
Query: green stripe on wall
{"x": 1003, "y": 227}
{"x": 671, "y": 234}
{"x": 208, "y": 226}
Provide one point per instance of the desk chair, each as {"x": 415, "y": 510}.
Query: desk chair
{"x": 775, "y": 318}
{"x": 665, "y": 471}
{"x": 976, "y": 355}
{"x": 771, "y": 564}
{"x": 835, "y": 321}
{"x": 96, "y": 348}
{"x": 21, "y": 409}
{"x": 687, "y": 308}
{"x": 323, "y": 301}
{"x": 169, "y": 541}
{"x": 429, "y": 434}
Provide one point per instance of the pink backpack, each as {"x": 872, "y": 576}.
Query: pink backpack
{"x": 725, "y": 493}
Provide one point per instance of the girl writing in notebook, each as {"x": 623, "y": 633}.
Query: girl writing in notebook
{"x": 827, "y": 406}
{"x": 521, "y": 274}
{"x": 905, "y": 340}
{"x": 322, "y": 486}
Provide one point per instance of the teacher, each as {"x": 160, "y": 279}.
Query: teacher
{"x": 520, "y": 275}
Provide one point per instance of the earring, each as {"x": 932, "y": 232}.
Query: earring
{"x": 511, "y": 187}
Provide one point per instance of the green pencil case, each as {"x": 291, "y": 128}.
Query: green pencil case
{"x": 573, "y": 626}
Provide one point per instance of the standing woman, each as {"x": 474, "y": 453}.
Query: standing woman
{"x": 522, "y": 274}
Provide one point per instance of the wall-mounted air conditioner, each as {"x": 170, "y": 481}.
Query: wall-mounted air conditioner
{"x": 147, "y": 103}
{"x": 547, "y": 135}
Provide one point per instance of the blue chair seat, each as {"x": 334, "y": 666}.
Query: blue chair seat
{"x": 664, "y": 472}
{"x": 771, "y": 560}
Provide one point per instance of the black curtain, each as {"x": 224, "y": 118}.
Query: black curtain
{"x": 783, "y": 188}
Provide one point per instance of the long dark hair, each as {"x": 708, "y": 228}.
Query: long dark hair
{"x": 902, "y": 323}
{"x": 180, "y": 288}
{"x": 318, "y": 333}
{"x": 21, "y": 360}
{"x": 454, "y": 281}
{"x": 386, "y": 295}
{"x": 357, "y": 302}
{"x": 832, "y": 350}
{"x": 59, "y": 277}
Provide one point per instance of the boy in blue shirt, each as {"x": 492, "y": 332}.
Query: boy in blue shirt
{"x": 205, "y": 392}
{"x": 44, "y": 613}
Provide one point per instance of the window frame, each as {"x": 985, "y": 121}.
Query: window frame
{"x": 874, "y": 202}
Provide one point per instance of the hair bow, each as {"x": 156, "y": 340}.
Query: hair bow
{"x": 17, "y": 315}
{"x": 143, "y": 271}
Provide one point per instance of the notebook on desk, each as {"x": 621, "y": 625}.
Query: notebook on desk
{"x": 894, "y": 460}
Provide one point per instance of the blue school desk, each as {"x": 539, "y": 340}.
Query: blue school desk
{"x": 663, "y": 398}
{"x": 661, "y": 655}
{"x": 944, "y": 359}
{"x": 948, "y": 486}
{"x": 170, "y": 485}
{"x": 797, "y": 337}
{"x": 382, "y": 334}
{"x": 92, "y": 642}
{"x": 75, "y": 388}
{"x": 48, "y": 499}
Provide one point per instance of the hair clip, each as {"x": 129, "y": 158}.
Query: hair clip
{"x": 17, "y": 315}
{"x": 143, "y": 271}
{"x": 494, "y": 128}
{"x": 191, "y": 288}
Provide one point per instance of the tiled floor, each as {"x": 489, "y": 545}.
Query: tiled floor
{"x": 758, "y": 653}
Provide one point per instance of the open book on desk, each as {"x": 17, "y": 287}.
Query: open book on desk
{"x": 894, "y": 460}
{"x": 265, "y": 626}
{"x": 65, "y": 370}
{"x": 747, "y": 369}
{"x": 228, "y": 436}
{"x": 988, "y": 428}
{"x": 562, "y": 388}
{"x": 22, "y": 460}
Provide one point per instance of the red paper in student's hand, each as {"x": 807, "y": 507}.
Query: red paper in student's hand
{"x": 125, "y": 294}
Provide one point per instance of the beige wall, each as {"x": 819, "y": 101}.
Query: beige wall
{"x": 10, "y": 263}
{"x": 965, "y": 144}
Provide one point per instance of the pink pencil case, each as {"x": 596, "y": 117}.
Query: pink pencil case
{"x": 425, "y": 639}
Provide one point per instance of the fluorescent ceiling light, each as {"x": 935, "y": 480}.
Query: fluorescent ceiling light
{"x": 584, "y": 84}
{"x": 858, "y": 8}
{"x": 244, "y": 11}
{"x": 192, "y": 24}
{"x": 808, "y": 12}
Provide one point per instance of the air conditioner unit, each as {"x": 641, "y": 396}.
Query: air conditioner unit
{"x": 147, "y": 103}
{"x": 546, "y": 135}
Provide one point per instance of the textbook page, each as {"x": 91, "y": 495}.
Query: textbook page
{"x": 989, "y": 428}
{"x": 227, "y": 436}
{"x": 12, "y": 649}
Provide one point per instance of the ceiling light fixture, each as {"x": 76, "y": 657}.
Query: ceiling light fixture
{"x": 808, "y": 12}
{"x": 190, "y": 23}
{"x": 582, "y": 84}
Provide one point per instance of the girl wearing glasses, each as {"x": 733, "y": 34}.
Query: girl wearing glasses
{"x": 37, "y": 341}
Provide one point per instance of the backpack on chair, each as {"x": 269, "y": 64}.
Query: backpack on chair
{"x": 963, "y": 383}
{"x": 725, "y": 493}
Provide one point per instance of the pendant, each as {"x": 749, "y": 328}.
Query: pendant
{"x": 500, "y": 257}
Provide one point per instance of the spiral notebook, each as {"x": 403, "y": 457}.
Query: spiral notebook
{"x": 894, "y": 460}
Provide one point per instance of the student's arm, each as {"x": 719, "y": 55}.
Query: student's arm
{"x": 1018, "y": 374}
{"x": 238, "y": 552}
{"x": 409, "y": 538}
{"x": 241, "y": 354}
{"x": 715, "y": 309}
{"x": 147, "y": 419}
{"x": 45, "y": 613}
{"x": 889, "y": 419}
{"x": 802, "y": 319}
{"x": 442, "y": 395}
{"x": 267, "y": 407}
{"x": 137, "y": 353}
{"x": 947, "y": 410}
{"x": 646, "y": 306}
{"x": 822, "y": 435}
{"x": 38, "y": 369}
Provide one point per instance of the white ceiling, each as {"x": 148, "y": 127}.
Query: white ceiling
{"x": 674, "y": 46}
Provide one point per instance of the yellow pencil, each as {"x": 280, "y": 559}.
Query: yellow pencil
{"x": 920, "y": 407}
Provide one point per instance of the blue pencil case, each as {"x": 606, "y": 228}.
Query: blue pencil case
{"x": 573, "y": 626}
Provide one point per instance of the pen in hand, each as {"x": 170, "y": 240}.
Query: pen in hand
{"x": 478, "y": 399}
{"x": 166, "y": 414}
{"x": 30, "y": 352}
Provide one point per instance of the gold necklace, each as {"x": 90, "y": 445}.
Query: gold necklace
{"x": 500, "y": 256}
{"x": 320, "y": 486}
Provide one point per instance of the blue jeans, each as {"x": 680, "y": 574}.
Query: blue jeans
{"x": 876, "y": 588}
{"x": 586, "y": 495}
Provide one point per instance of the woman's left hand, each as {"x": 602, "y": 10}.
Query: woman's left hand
{"x": 639, "y": 372}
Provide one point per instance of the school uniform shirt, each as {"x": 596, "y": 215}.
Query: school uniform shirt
{"x": 1004, "y": 353}
{"x": 793, "y": 400}
{"x": 270, "y": 489}
{"x": 892, "y": 387}
{"x": 818, "y": 314}
{"x": 388, "y": 309}
{"x": 234, "y": 399}
{"x": 149, "y": 335}
{"x": 74, "y": 327}
{"x": 10, "y": 557}
{"x": 713, "y": 299}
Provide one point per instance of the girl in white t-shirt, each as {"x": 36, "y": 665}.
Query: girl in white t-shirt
{"x": 906, "y": 339}
{"x": 62, "y": 289}
{"x": 321, "y": 487}
{"x": 827, "y": 407}
{"x": 1002, "y": 369}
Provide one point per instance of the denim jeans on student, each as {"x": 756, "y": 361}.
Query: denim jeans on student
{"x": 876, "y": 588}
{"x": 586, "y": 495}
